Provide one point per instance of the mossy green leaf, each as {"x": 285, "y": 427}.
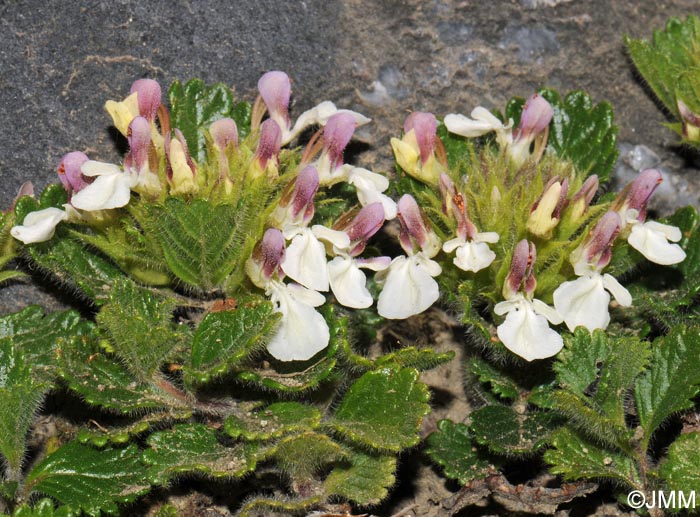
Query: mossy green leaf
{"x": 364, "y": 478}
{"x": 194, "y": 448}
{"x": 90, "y": 480}
{"x": 453, "y": 447}
{"x": 681, "y": 468}
{"x": 383, "y": 409}
{"x": 506, "y": 431}
{"x": 273, "y": 421}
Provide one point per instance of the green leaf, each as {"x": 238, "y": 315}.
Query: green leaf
{"x": 574, "y": 457}
{"x": 383, "y": 409}
{"x": 577, "y": 365}
{"x": 501, "y": 384}
{"x": 30, "y": 344}
{"x": 411, "y": 357}
{"x": 274, "y": 421}
{"x": 43, "y": 508}
{"x": 280, "y": 505}
{"x": 506, "y": 431}
{"x": 671, "y": 382}
{"x": 76, "y": 266}
{"x": 88, "y": 479}
{"x": 225, "y": 338}
{"x": 121, "y": 434}
{"x": 670, "y": 63}
{"x": 366, "y": 479}
{"x": 194, "y": 448}
{"x": 194, "y": 107}
{"x": 141, "y": 328}
{"x": 201, "y": 242}
{"x": 457, "y": 148}
{"x": 582, "y": 132}
{"x": 681, "y": 468}
{"x": 302, "y": 456}
{"x": 452, "y": 447}
{"x": 241, "y": 115}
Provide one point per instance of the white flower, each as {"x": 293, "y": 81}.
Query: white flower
{"x": 111, "y": 188}
{"x": 585, "y": 301}
{"x": 303, "y": 332}
{"x": 651, "y": 239}
{"x": 525, "y": 331}
{"x": 305, "y": 260}
{"x": 348, "y": 282}
{"x": 38, "y": 226}
{"x": 409, "y": 287}
{"x": 472, "y": 255}
{"x": 370, "y": 187}
{"x": 482, "y": 122}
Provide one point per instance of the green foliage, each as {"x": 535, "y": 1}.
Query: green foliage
{"x": 194, "y": 107}
{"x": 273, "y": 421}
{"x": 301, "y": 456}
{"x": 364, "y": 479}
{"x": 507, "y": 431}
{"x": 42, "y": 508}
{"x": 580, "y": 131}
{"x": 225, "y": 338}
{"x": 670, "y": 64}
{"x": 89, "y": 480}
{"x": 140, "y": 326}
{"x": 193, "y": 448}
{"x": 201, "y": 241}
{"x": 671, "y": 382}
{"x": 681, "y": 469}
{"x": 383, "y": 409}
{"x": 30, "y": 345}
{"x": 452, "y": 447}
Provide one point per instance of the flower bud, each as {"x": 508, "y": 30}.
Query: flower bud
{"x": 276, "y": 90}
{"x": 690, "y": 122}
{"x": 265, "y": 162}
{"x": 148, "y": 95}
{"x": 415, "y": 228}
{"x": 296, "y": 205}
{"x": 521, "y": 273}
{"x": 181, "y": 170}
{"x": 416, "y": 151}
{"x": 267, "y": 256}
{"x": 546, "y": 212}
{"x": 582, "y": 199}
{"x": 595, "y": 251}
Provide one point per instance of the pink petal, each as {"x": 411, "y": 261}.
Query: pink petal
{"x": 270, "y": 141}
{"x": 223, "y": 132}
{"x": 69, "y": 171}
{"x": 139, "y": 137}
{"x": 424, "y": 126}
{"x": 276, "y": 90}
{"x": 148, "y": 96}
{"x": 337, "y": 135}
{"x": 536, "y": 116}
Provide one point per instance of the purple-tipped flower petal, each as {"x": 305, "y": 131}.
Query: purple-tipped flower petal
{"x": 521, "y": 270}
{"x": 536, "y": 116}
{"x": 276, "y": 90}
{"x": 148, "y": 96}
{"x": 582, "y": 199}
{"x": 366, "y": 223}
{"x": 270, "y": 142}
{"x": 305, "y": 188}
{"x": 269, "y": 253}
{"x": 69, "y": 171}
{"x": 597, "y": 248}
{"x": 139, "y": 137}
{"x": 424, "y": 126}
{"x": 224, "y": 132}
{"x": 415, "y": 228}
{"x": 337, "y": 135}
{"x": 641, "y": 190}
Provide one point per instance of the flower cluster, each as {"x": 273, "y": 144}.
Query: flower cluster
{"x": 491, "y": 206}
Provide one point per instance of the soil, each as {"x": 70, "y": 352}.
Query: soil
{"x": 61, "y": 59}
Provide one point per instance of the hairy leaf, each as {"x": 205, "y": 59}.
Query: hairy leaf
{"x": 501, "y": 384}
{"x": 89, "y": 479}
{"x": 670, "y": 62}
{"x": 194, "y": 448}
{"x": 506, "y": 431}
{"x": 140, "y": 325}
{"x": 275, "y": 420}
{"x": 671, "y": 382}
{"x": 303, "y": 455}
{"x": 225, "y": 338}
{"x": 681, "y": 468}
{"x": 30, "y": 344}
{"x": 194, "y": 107}
{"x": 365, "y": 479}
{"x": 383, "y": 409}
{"x": 452, "y": 447}
{"x": 43, "y": 508}
{"x": 577, "y": 365}
{"x": 201, "y": 241}
{"x": 411, "y": 357}
{"x": 574, "y": 457}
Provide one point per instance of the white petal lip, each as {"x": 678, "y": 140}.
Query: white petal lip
{"x": 526, "y": 333}
{"x": 302, "y": 332}
{"x": 584, "y": 302}
{"x": 337, "y": 238}
{"x": 473, "y": 256}
{"x": 305, "y": 261}
{"x": 614, "y": 287}
{"x": 319, "y": 114}
{"x": 370, "y": 186}
{"x": 651, "y": 240}
{"x": 38, "y": 226}
{"x": 348, "y": 283}
{"x": 409, "y": 288}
